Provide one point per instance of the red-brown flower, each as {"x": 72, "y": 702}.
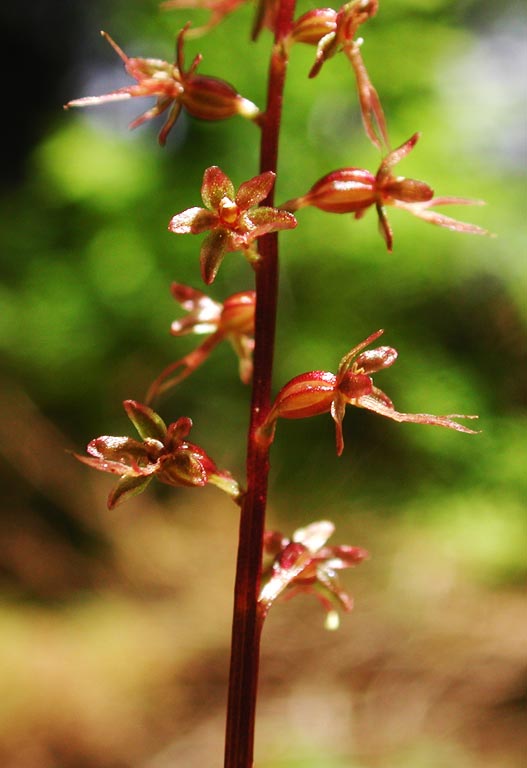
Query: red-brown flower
{"x": 332, "y": 31}
{"x": 354, "y": 190}
{"x": 303, "y": 564}
{"x": 204, "y": 97}
{"x": 235, "y": 219}
{"x": 233, "y": 320}
{"x": 162, "y": 452}
{"x": 322, "y": 392}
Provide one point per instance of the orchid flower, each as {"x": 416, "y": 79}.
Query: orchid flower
{"x": 323, "y": 392}
{"x": 233, "y": 320}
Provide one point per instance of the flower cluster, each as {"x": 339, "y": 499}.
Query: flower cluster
{"x": 236, "y": 219}
{"x": 318, "y": 392}
{"x": 204, "y": 97}
{"x": 233, "y": 320}
{"x": 354, "y": 190}
{"x": 162, "y": 452}
{"x": 304, "y": 564}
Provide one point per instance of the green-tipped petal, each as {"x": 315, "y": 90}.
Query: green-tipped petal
{"x": 145, "y": 420}
{"x": 216, "y": 185}
{"x": 211, "y": 254}
{"x": 270, "y": 220}
{"x": 255, "y": 190}
{"x": 193, "y": 221}
{"x": 225, "y": 482}
{"x": 127, "y": 487}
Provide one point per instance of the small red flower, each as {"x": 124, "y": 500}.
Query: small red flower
{"x": 162, "y": 452}
{"x": 332, "y": 31}
{"x": 304, "y": 564}
{"x": 233, "y": 320}
{"x": 207, "y": 98}
{"x": 235, "y": 219}
{"x": 321, "y": 392}
{"x": 354, "y": 190}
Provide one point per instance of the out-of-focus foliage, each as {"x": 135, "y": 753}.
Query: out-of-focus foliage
{"x": 87, "y": 260}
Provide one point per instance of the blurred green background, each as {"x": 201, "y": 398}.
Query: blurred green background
{"x": 114, "y": 627}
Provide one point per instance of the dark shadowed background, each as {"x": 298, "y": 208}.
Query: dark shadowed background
{"x": 114, "y": 627}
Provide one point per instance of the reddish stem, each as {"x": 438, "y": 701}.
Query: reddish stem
{"x": 247, "y": 618}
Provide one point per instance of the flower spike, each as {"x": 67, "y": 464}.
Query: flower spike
{"x": 322, "y": 392}
{"x": 162, "y": 452}
{"x": 304, "y": 564}
{"x": 235, "y": 219}
{"x": 233, "y": 320}
{"x": 204, "y": 97}
{"x": 354, "y": 190}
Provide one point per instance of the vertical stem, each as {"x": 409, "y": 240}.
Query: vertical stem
{"x": 247, "y": 619}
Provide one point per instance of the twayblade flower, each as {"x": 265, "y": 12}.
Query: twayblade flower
{"x": 204, "y": 97}
{"x": 332, "y": 31}
{"x": 304, "y": 564}
{"x": 318, "y": 392}
{"x": 234, "y": 218}
{"x": 233, "y": 320}
{"x": 354, "y": 190}
{"x": 162, "y": 452}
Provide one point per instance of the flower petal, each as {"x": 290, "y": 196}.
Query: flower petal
{"x": 169, "y": 122}
{"x": 314, "y": 535}
{"x": 348, "y": 358}
{"x": 127, "y": 487}
{"x": 212, "y": 253}
{"x": 115, "y": 467}
{"x": 338, "y": 409}
{"x": 145, "y": 420}
{"x": 204, "y": 312}
{"x": 267, "y": 220}
{"x": 422, "y": 211}
{"x": 129, "y": 453}
{"x": 193, "y": 221}
{"x": 374, "y": 403}
{"x": 395, "y": 156}
{"x": 216, "y": 185}
{"x": 374, "y": 360}
{"x": 252, "y": 192}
